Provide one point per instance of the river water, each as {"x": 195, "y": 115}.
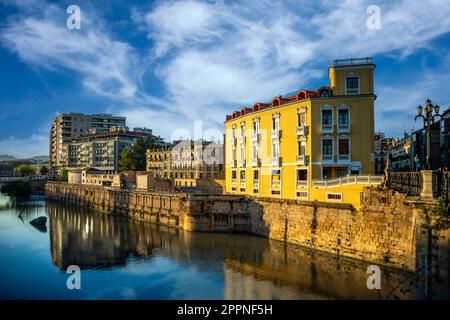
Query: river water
{"x": 121, "y": 258}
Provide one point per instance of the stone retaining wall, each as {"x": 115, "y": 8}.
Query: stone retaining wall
{"x": 387, "y": 230}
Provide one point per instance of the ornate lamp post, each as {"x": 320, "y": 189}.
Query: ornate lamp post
{"x": 428, "y": 119}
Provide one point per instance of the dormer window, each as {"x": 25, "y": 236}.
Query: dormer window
{"x": 352, "y": 85}
{"x": 324, "y": 94}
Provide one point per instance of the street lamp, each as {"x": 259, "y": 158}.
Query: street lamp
{"x": 428, "y": 120}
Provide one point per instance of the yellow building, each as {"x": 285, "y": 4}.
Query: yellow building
{"x": 313, "y": 145}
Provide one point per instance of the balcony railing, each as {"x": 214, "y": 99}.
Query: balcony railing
{"x": 275, "y": 134}
{"x": 302, "y": 160}
{"x": 302, "y": 183}
{"x": 349, "y": 62}
{"x": 327, "y": 157}
{"x": 242, "y": 140}
{"x": 327, "y": 127}
{"x": 349, "y": 179}
{"x": 256, "y": 162}
{"x": 256, "y": 182}
{"x": 444, "y": 184}
{"x": 276, "y": 161}
{"x": 344, "y": 157}
{"x": 242, "y": 162}
{"x": 256, "y": 137}
{"x": 344, "y": 127}
{"x": 302, "y": 130}
{"x": 276, "y": 183}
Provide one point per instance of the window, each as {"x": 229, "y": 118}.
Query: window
{"x": 275, "y": 123}
{"x": 354, "y": 170}
{"x": 327, "y": 147}
{"x": 324, "y": 94}
{"x": 256, "y": 175}
{"x": 301, "y": 148}
{"x": 302, "y": 175}
{"x": 343, "y": 118}
{"x": 242, "y": 175}
{"x": 275, "y": 149}
{"x": 334, "y": 197}
{"x": 242, "y": 151}
{"x": 301, "y": 118}
{"x": 233, "y": 175}
{"x": 342, "y": 172}
{"x": 255, "y": 151}
{"x": 242, "y": 130}
{"x": 352, "y": 85}
{"x": 276, "y": 178}
{"x": 327, "y": 119}
{"x": 255, "y": 127}
{"x": 302, "y": 178}
{"x": 344, "y": 148}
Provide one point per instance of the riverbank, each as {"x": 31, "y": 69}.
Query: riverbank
{"x": 389, "y": 229}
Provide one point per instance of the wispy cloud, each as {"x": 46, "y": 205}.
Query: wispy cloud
{"x": 106, "y": 67}
{"x": 216, "y": 56}
{"x": 241, "y": 53}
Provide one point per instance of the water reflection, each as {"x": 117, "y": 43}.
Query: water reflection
{"x": 251, "y": 267}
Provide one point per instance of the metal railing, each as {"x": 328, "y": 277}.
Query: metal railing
{"x": 345, "y": 62}
{"x": 443, "y": 178}
{"x": 406, "y": 182}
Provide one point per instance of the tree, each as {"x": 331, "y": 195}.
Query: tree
{"x": 25, "y": 170}
{"x": 63, "y": 176}
{"x": 43, "y": 171}
{"x": 134, "y": 157}
{"x": 16, "y": 188}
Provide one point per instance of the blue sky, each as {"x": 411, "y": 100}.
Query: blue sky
{"x": 167, "y": 64}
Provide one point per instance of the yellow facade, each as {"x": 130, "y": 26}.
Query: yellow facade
{"x": 295, "y": 143}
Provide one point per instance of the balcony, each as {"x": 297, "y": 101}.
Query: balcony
{"x": 343, "y": 128}
{"x": 275, "y": 134}
{"x": 302, "y": 130}
{"x": 256, "y": 162}
{"x": 302, "y": 183}
{"x": 276, "y": 161}
{"x": 302, "y": 160}
{"x": 256, "y": 137}
{"x": 327, "y": 128}
{"x": 351, "y": 62}
{"x": 276, "y": 184}
{"x": 343, "y": 157}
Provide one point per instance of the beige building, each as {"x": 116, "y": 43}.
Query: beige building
{"x": 67, "y": 126}
{"x": 101, "y": 150}
{"x": 90, "y": 176}
{"x": 187, "y": 162}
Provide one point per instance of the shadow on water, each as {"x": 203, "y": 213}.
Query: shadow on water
{"x": 95, "y": 240}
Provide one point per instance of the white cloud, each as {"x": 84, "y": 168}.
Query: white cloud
{"x": 242, "y": 53}
{"x": 214, "y": 57}
{"x": 107, "y": 67}
{"x": 37, "y": 144}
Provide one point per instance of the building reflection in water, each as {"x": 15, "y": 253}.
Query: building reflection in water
{"x": 252, "y": 267}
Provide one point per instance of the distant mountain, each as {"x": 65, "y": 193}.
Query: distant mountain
{"x": 36, "y": 159}
{"x": 7, "y": 157}
{"x": 40, "y": 159}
